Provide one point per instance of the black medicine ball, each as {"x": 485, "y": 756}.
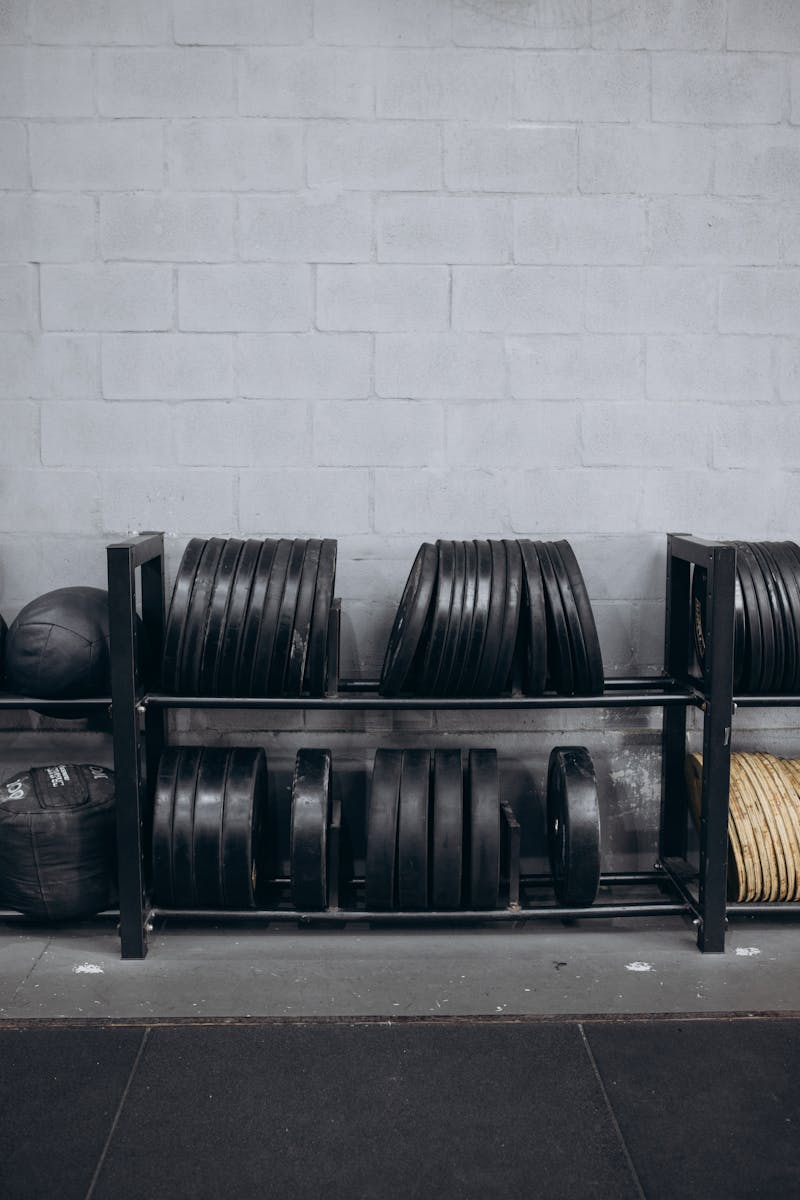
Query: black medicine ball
{"x": 58, "y": 646}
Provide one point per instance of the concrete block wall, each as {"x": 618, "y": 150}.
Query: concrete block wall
{"x": 397, "y": 269}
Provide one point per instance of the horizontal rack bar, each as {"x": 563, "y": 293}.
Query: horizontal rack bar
{"x": 66, "y": 706}
{"x": 766, "y": 701}
{"x": 348, "y": 916}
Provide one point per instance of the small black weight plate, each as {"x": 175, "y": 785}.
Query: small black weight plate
{"x": 384, "y": 805}
{"x": 301, "y": 633}
{"x": 441, "y": 606}
{"x": 573, "y": 825}
{"x": 253, "y": 616}
{"x": 751, "y": 673}
{"x": 511, "y": 615}
{"x": 495, "y": 622}
{"x": 163, "y": 801}
{"x": 317, "y": 660}
{"x": 595, "y": 681}
{"x": 412, "y": 831}
{"x": 217, "y": 616}
{"x": 175, "y": 628}
{"x": 778, "y": 590}
{"x": 209, "y": 800}
{"x": 533, "y": 622}
{"x": 764, "y": 615}
{"x": 183, "y": 828}
{"x": 233, "y": 630}
{"x": 197, "y": 616}
{"x": 559, "y": 654}
{"x": 484, "y": 829}
{"x": 410, "y": 620}
{"x": 787, "y": 555}
{"x": 441, "y": 683}
{"x": 268, "y": 620}
{"x": 580, "y": 662}
{"x": 286, "y": 616}
{"x": 243, "y": 821}
{"x": 447, "y": 818}
{"x": 480, "y": 617}
{"x": 311, "y": 807}
{"x": 453, "y": 684}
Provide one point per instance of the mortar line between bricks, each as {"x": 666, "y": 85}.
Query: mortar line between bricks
{"x": 612, "y": 1115}
{"x": 117, "y": 1115}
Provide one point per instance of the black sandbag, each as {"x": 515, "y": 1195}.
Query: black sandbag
{"x": 58, "y": 841}
{"x": 58, "y": 645}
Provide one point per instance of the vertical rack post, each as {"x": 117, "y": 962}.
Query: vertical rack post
{"x": 673, "y": 824}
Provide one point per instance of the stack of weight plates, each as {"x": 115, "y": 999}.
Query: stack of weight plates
{"x": 311, "y": 814}
{"x": 209, "y": 810}
{"x": 433, "y": 835}
{"x": 766, "y": 656}
{"x": 763, "y": 824}
{"x": 573, "y": 825}
{"x": 475, "y": 617}
{"x": 250, "y": 618}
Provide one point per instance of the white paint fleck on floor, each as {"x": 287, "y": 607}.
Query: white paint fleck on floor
{"x": 88, "y": 968}
{"x": 747, "y": 951}
{"x": 638, "y": 966}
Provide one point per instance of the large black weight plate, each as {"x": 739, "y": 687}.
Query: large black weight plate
{"x": 480, "y": 618}
{"x": 412, "y": 831}
{"x": 453, "y": 685}
{"x": 484, "y": 829}
{"x": 311, "y": 806}
{"x": 384, "y": 805}
{"x": 175, "y": 629}
{"x": 495, "y": 622}
{"x": 183, "y": 828}
{"x": 573, "y": 825}
{"x": 447, "y": 843}
{"x": 533, "y": 621}
{"x": 700, "y": 622}
{"x": 253, "y": 616}
{"x": 768, "y": 657}
{"x": 441, "y": 607}
{"x": 779, "y": 598}
{"x": 197, "y": 616}
{"x": 511, "y": 615}
{"x": 3, "y": 632}
{"x": 441, "y": 683}
{"x": 163, "y": 802}
{"x": 209, "y": 802}
{"x": 233, "y": 630}
{"x": 301, "y": 633}
{"x": 243, "y": 820}
{"x": 787, "y": 554}
{"x": 775, "y": 685}
{"x": 286, "y": 615}
{"x": 580, "y": 662}
{"x": 559, "y": 654}
{"x": 410, "y": 620}
{"x": 751, "y": 673}
{"x": 594, "y": 655}
{"x": 268, "y": 625}
{"x": 317, "y": 660}
{"x": 217, "y": 616}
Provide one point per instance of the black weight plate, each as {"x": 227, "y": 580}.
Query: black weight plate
{"x": 447, "y": 843}
{"x": 559, "y": 654}
{"x": 301, "y": 633}
{"x": 175, "y": 629}
{"x": 441, "y": 683}
{"x": 580, "y": 662}
{"x": 384, "y": 804}
{"x": 495, "y": 622}
{"x": 410, "y": 620}
{"x": 533, "y": 623}
{"x": 788, "y": 557}
{"x": 480, "y": 618}
{"x": 233, "y": 631}
{"x": 451, "y": 686}
{"x": 786, "y": 620}
{"x": 765, "y": 683}
{"x": 243, "y": 820}
{"x": 311, "y": 807}
{"x": 511, "y": 615}
{"x": 412, "y": 831}
{"x": 3, "y": 632}
{"x": 268, "y": 621}
{"x": 699, "y": 603}
{"x": 594, "y": 656}
{"x": 253, "y": 616}
{"x": 183, "y": 828}
{"x": 217, "y": 616}
{"x": 776, "y": 618}
{"x": 441, "y": 607}
{"x": 317, "y": 660}
{"x": 751, "y": 673}
{"x": 163, "y": 802}
{"x": 484, "y": 829}
{"x": 197, "y": 616}
{"x": 286, "y": 616}
{"x": 573, "y": 825}
{"x": 209, "y": 801}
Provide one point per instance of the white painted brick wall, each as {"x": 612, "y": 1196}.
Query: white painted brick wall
{"x": 394, "y": 269}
